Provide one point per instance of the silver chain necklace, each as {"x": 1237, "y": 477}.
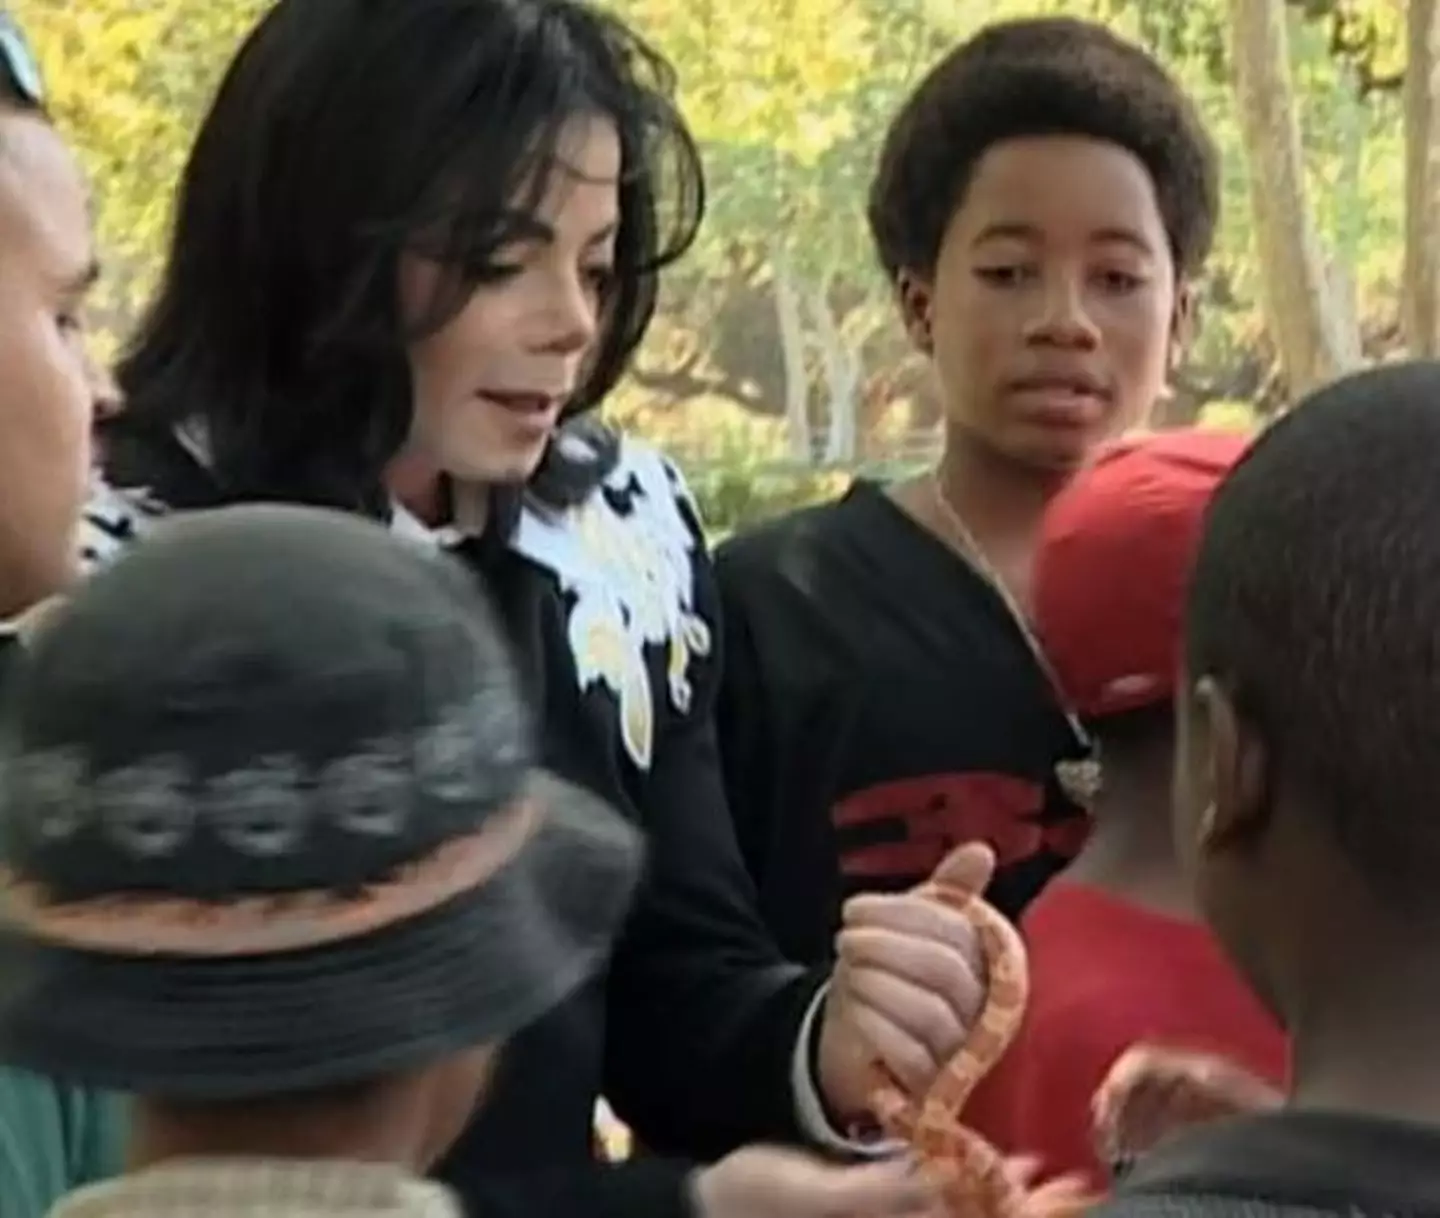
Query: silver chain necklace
{"x": 1079, "y": 778}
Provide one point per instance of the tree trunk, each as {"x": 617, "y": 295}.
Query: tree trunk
{"x": 1310, "y": 332}
{"x": 841, "y": 365}
{"x": 1420, "y": 291}
{"x": 791, "y": 323}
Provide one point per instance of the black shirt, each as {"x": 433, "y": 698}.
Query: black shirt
{"x": 1287, "y": 1165}
{"x": 879, "y": 706}
{"x": 690, "y": 1036}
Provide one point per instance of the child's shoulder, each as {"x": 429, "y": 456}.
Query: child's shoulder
{"x": 1074, "y": 916}
{"x": 1098, "y": 965}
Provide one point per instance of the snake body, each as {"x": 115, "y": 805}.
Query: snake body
{"x": 980, "y": 1181}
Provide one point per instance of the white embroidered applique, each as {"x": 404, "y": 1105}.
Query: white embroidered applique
{"x": 631, "y": 573}
{"x": 54, "y": 781}
{"x": 472, "y": 757}
{"x": 449, "y": 766}
{"x": 632, "y": 576}
{"x": 146, "y": 808}
{"x": 113, "y": 520}
{"x": 370, "y": 793}
{"x": 260, "y": 810}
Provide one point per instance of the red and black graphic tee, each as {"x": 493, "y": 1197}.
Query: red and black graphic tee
{"x": 879, "y": 706}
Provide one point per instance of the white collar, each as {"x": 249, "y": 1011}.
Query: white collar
{"x": 193, "y": 436}
{"x": 261, "y": 1188}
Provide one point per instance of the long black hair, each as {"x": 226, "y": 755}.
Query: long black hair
{"x": 344, "y": 133}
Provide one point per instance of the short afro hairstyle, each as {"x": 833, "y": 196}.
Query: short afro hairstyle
{"x": 1316, "y": 603}
{"x": 1039, "y": 76}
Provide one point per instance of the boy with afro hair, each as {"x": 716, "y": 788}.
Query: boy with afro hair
{"x": 1041, "y": 208}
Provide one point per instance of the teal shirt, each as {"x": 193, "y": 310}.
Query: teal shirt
{"x": 54, "y": 1138}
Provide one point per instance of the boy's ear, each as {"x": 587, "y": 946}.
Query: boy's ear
{"x": 1239, "y": 771}
{"x": 915, "y": 297}
{"x": 1182, "y": 326}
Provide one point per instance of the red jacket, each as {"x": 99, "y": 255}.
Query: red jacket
{"x": 1104, "y": 974}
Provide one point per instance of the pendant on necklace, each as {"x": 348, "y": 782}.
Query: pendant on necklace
{"x": 1080, "y": 779}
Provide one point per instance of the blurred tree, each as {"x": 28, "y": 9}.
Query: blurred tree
{"x": 130, "y": 79}
{"x": 1420, "y": 302}
{"x": 1315, "y": 338}
{"x": 779, "y": 330}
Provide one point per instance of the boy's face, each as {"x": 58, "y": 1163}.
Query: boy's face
{"x": 1053, "y": 312}
{"x": 49, "y": 386}
{"x": 458, "y": 1087}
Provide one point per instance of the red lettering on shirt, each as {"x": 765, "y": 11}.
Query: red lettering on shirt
{"x": 927, "y": 817}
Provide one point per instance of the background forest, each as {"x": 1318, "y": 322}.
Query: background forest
{"x": 776, "y": 369}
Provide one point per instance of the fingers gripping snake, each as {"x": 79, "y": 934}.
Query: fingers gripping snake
{"x": 980, "y": 1181}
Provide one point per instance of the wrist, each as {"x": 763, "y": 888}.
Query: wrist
{"x": 836, "y": 1074}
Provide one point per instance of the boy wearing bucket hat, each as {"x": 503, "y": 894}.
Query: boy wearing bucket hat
{"x": 1117, "y": 953}
{"x": 282, "y": 866}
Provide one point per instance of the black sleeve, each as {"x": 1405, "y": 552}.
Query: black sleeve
{"x": 704, "y": 1014}
{"x": 743, "y": 717}
{"x": 641, "y": 1188}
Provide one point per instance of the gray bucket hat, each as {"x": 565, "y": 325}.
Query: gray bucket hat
{"x": 271, "y": 820}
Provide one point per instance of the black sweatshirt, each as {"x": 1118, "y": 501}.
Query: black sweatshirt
{"x": 693, "y": 1034}
{"x": 1287, "y": 1165}
{"x": 880, "y": 706}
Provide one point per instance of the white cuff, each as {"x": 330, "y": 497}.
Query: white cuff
{"x": 810, "y": 1109}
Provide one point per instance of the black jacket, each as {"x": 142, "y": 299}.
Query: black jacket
{"x": 690, "y": 1036}
{"x": 1287, "y": 1165}
{"x": 879, "y": 707}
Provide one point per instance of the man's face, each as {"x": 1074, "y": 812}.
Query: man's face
{"x": 49, "y": 387}
{"x": 491, "y": 383}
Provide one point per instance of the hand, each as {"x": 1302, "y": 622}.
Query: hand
{"x": 907, "y": 988}
{"x": 769, "y": 1182}
{"x": 1066, "y": 1196}
{"x": 1152, "y": 1091}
